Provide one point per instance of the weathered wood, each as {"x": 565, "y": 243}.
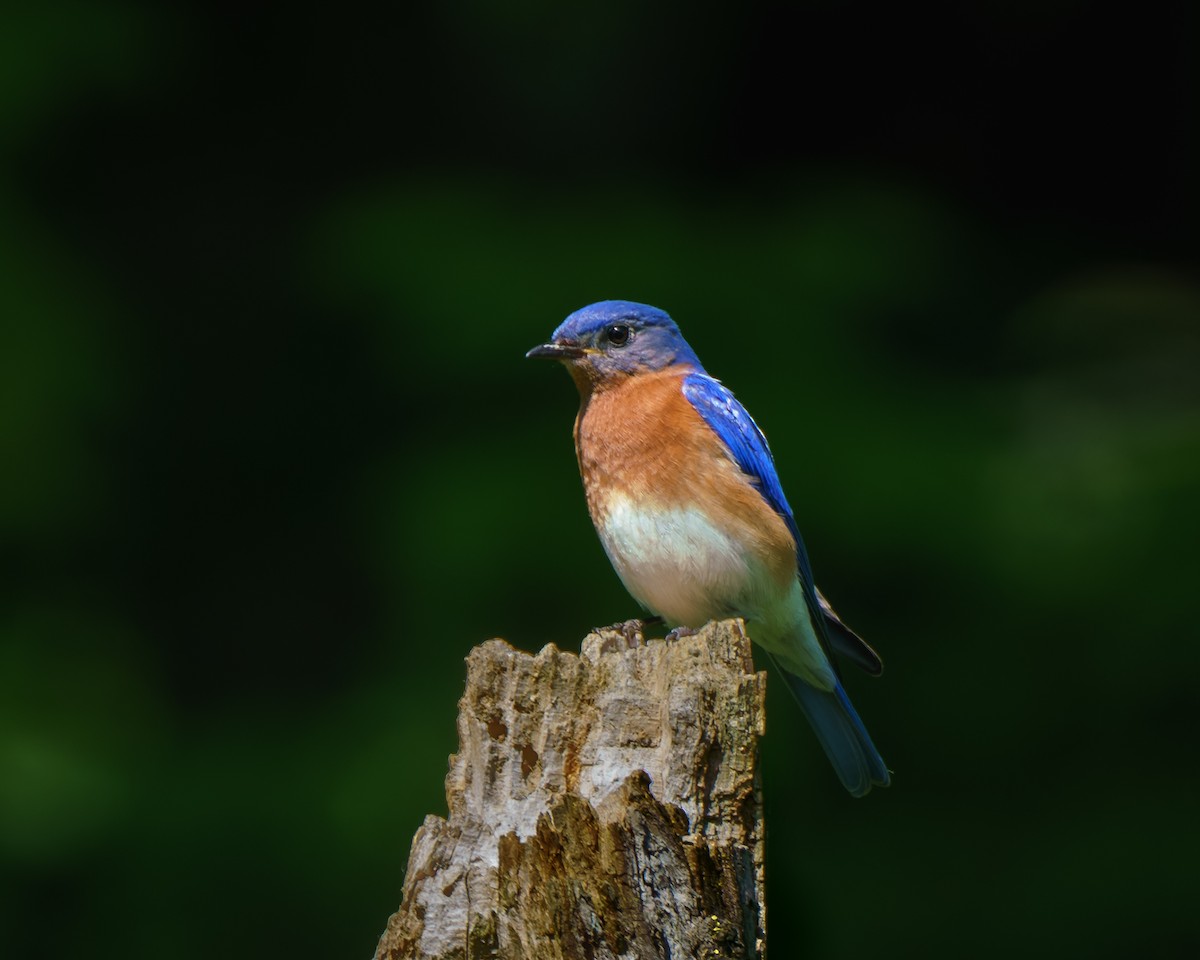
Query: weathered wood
{"x": 603, "y": 805}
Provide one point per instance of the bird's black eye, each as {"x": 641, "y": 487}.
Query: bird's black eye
{"x": 618, "y": 334}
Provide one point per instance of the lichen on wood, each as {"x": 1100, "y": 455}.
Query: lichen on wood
{"x": 603, "y": 805}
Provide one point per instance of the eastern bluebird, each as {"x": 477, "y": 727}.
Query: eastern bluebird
{"x": 683, "y": 492}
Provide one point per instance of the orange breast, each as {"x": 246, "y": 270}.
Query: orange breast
{"x": 642, "y": 442}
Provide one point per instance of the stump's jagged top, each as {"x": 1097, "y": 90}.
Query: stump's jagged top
{"x": 603, "y": 804}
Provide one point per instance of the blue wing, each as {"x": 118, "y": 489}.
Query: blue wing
{"x": 833, "y": 718}
{"x": 748, "y": 447}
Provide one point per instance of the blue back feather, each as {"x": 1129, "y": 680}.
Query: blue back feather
{"x": 833, "y": 718}
{"x": 728, "y": 418}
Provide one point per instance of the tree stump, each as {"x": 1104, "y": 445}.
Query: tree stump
{"x": 603, "y": 805}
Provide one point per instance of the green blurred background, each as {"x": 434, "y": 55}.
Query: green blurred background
{"x": 272, "y": 461}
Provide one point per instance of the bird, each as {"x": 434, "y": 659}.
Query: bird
{"x": 683, "y": 492}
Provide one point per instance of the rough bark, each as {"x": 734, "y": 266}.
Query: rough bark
{"x": 603, "y": 805}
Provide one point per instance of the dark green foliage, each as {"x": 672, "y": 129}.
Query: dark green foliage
{"x": 271, "y": 460}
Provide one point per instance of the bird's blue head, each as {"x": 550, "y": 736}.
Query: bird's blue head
{"x": 614, "y": 339}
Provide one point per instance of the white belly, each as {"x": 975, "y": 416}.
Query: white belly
{"x": 676, "y": 563}
{"x": 681, "y": 566}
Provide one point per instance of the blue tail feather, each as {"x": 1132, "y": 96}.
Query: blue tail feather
{"x": 842, "y": 735}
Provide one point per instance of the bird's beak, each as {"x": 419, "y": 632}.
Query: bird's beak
{"x": 557, "y": 351}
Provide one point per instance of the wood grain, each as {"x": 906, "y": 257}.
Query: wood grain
{"x": 602, "y": 805}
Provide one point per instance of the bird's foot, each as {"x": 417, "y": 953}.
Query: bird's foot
{"x": 678, "y": 633}
{"x": 630, "y": 634}
{"x": 631, "y": 630}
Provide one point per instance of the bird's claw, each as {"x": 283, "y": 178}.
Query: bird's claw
{"x": 631, "y": 630}
{"x": 630, "y": 634}
{"x": 678, "y": 633}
